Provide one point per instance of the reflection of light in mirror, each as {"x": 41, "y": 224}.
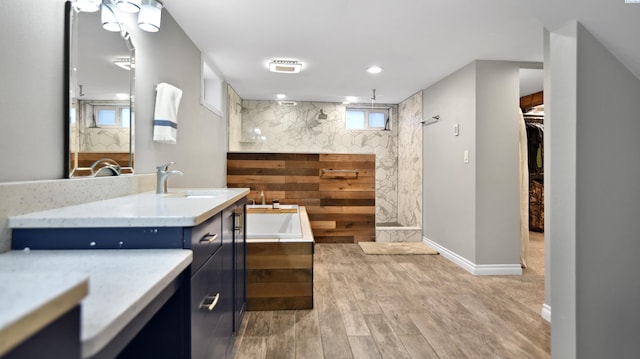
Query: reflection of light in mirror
{"x": 87, "y": 5}
{"x": 109, "y": 18}
{"x": 129, "y": 5}
{"x": 122, "y": 96}
{"x": 257, "y": 131}
{"x": 123, "y": 62}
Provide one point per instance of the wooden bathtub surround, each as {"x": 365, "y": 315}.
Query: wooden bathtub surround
{"x": 279, "y": 276}
{"x": 341, "y": 205}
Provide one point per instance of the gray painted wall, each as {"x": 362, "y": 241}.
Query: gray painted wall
{"x": 607, "y": 197}
{"x": 31, "y": 89}
{"x": 31, "y": 104}
{"x": 548, "y": 220}
{"x": 497, "y": 158}
{"x": 448, "y": 216}
{"x": 594, "y": 196}
{"x": 472, "y": 209}
{"x": 560, "y": 134}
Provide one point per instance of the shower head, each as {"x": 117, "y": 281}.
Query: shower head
{"x": 322, "y": 115}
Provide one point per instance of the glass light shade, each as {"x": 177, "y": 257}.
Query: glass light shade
{"x": 129, "y": 5}
{"x": 109, "y": 19}
{"x": 150, "y": 16}
{"x": 87, "y": 5}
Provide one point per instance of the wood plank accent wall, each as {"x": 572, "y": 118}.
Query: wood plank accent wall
{"x": 341, "y": 206}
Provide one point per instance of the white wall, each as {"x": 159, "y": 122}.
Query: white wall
{"x": 594, "y": 233}
{"x": 472, "y": 209}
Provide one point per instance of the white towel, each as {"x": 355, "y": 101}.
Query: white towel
{"x": 165, "y": 119}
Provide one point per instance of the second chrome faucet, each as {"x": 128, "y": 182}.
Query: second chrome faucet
{"x": 162, "y": 175}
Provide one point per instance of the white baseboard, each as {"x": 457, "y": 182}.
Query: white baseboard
{"x": 475, "y": 269}
{"x": 546, "y": 312}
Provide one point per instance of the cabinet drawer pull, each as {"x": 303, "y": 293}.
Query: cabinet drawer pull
{"x": 209, "y": 302}
{"x": 209, "y": 238}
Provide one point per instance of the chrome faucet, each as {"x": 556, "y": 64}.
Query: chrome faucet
{"x": 162, "y": 175}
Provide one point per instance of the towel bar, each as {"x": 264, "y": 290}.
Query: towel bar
{"x": 325, "y": 170}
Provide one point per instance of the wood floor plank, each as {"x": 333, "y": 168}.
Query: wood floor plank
{"x": 352, "y": 319}
{"x": 309, "y": 347}
{"x": 403, "y": 307}
{"x": 336, "y": 347}
{"x": 252, "y": 348}
{"x": 364, "y": 347}
{"x": 306, "y": 323}
{"x": 418, "y": 347}
{"x": 258, "y": 324}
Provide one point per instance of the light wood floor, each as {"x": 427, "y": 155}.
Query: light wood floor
{"x": 398, "y": 306}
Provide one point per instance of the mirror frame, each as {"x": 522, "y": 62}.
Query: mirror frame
{"x": 69, "y": 53}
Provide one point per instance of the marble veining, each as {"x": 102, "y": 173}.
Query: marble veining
{"x": 410, "y": 162}
{"x": 269, "y": 127}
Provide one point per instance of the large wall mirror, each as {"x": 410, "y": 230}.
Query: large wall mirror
{"x": 100, "y": 104}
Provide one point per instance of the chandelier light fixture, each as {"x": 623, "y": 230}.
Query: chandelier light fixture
{"x": 150, "y": 15}
{"x": 149, "y": 12}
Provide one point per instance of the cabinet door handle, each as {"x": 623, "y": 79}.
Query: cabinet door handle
{"x": 209, "y": 238}
{"x": 209, "y": 302}
{"x": 237, "y": 221}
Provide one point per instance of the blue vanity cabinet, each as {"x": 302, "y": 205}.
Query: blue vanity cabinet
{"x": 59, "y": 339}
{"x": 235, "y": 225}
{"x": 213, "y": 287}
{"x": 206, "y": 307}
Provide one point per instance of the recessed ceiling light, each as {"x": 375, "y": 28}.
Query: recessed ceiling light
{"x": 281, "y": 96}
{"x": 285, "y": 66}
{"x": 374, "y": 70}
{"x": 352, "y": 99}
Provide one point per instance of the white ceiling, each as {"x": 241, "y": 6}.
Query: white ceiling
{"x": 417, "y": 42}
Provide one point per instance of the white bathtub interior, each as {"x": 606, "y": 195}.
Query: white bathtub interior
{"x": 277, "y": 226}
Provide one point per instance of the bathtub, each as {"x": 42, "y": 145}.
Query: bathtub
{"x": 279, "y": 258}
{"x": 289, "y": 223}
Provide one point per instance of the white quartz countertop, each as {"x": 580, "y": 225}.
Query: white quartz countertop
{"x": 121, "y": 284}
{"x": 31, "y": 301}
{"x": 178, "y": 208}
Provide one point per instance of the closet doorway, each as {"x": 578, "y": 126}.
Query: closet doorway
{"x": 532, "y": 107}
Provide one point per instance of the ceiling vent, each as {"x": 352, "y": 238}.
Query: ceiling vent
{"x": 285, "y": 66}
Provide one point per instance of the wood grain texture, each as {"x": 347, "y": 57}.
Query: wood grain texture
{"x": 397, "y": 306}
{"x": 296, "y": 178}
{"x": 279, "y": 276}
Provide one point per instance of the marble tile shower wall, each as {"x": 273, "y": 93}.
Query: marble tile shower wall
{"x": 269, "y": 127}
{"x": 410, "y": 162}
